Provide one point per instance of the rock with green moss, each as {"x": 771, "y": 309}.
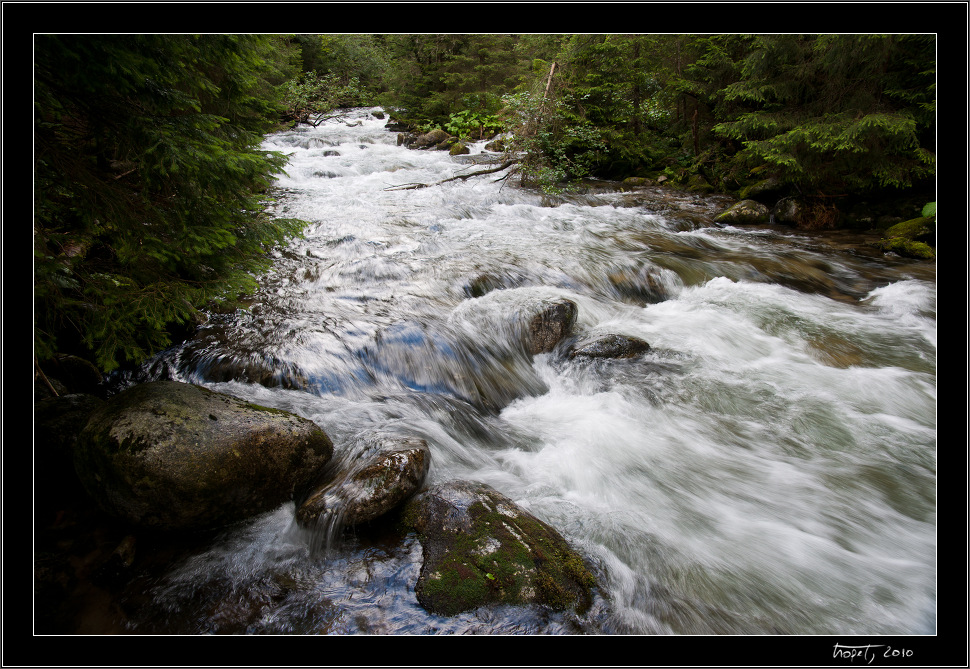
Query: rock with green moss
{"x": 762, "y": 189}
{"x": 906, "y": 248}
{"x": 745, "y": 212}
{"x": 911, "y": 239}
{"x": 638, "y": 182}
{"x": 175, "y": 456}
{"x": 698, "y": 184}
{"x": 480, "y": 548}
{"x": 459, "y": 149}
{"x": 922, "y": 229}
{"x": 373, "y": 484}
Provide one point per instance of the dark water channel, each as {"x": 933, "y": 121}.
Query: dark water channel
{"x": 767, "y": 467}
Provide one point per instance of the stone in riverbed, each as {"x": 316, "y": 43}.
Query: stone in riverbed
{"x": 745, "y": 212}
{"x": 550, "y": 326}
{"x": 480, "y": 548}
{"x": 175, "y": 456}
{"x": 610, "y": 346}
{"x": 371, "y": 487}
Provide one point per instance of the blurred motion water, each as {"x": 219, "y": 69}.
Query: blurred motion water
{"x": 767, "y": 467}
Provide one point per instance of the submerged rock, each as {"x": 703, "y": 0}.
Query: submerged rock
{"x": 176, "y": 456}
{"x": 480, "y": 548}
{"x": 610, "y": 346}
{"x": 371, "y": 487}
{"x": 642, "y": 285}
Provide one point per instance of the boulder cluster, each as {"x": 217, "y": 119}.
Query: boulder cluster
{"x": 172, "y": 457}
{"x": 767, "y": 201}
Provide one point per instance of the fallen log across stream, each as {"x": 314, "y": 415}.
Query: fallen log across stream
{"x": 415, "y": 186}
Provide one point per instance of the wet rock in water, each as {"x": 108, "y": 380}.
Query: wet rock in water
{"x": 434, "y": 138}
{"x": 176, "y": 456}
{"x": 643, "y": 285}
{"x": 551, "y": 326}
{"x": 537, "y": 319}
{"x": 610, "y": 346}
{"x": 483, "y": 284}
{"x": 372, "y": 486}
{"x": 745, "y": 212}
{"x": 480, "y": 548}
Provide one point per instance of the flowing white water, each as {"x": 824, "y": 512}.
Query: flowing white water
{"x": 769, "y": 466}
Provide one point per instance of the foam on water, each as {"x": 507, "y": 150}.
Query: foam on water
{"x": 767, "y": 466}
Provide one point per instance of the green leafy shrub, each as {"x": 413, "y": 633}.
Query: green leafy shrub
{"x": 469, "y": 124}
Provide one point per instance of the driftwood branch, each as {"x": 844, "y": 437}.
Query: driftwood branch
{"x": 38, "y": 372}
{"x": 415, "y": 186}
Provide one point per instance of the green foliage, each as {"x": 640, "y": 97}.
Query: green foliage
{"x": 150, "y": 185}
{"x": 833, "y": 114}
{"x": 309, "y": 94}
{"x": 469, "y": 124}
{"x": 435, "y": 76}
{"x": 929, "y": 209}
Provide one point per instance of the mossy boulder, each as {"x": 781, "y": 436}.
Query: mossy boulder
{"x": 371, "y": 486}
{"x": 175, "y": 456}
{"x": 638, "y": 182}
{"x": 911, "y": 239}
{"x": 480, "y": 548}
{"x": 745, "y": 212}
{"x": 922, "y": 229}
{"x": 698, "y": 184}
{"x": 906, "y": 248}
{"x": 459, "y": 149}
{"x": 765, "y": 188}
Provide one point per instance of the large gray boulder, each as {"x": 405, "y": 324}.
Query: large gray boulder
{"x": 480, "y": 548}
{"x": 176, "y": 456}
{"x": 370, "y": 486}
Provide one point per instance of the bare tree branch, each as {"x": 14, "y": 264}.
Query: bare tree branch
{"x": 415, "y": 186}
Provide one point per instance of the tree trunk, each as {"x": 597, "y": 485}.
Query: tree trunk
{"x": 697, "y": 150}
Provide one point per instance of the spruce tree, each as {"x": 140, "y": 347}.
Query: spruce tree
{"x": 835, "y": 114}
{"x": 150, "y": 185}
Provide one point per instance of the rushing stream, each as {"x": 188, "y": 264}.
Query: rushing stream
{"x": 767, "y": 467}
